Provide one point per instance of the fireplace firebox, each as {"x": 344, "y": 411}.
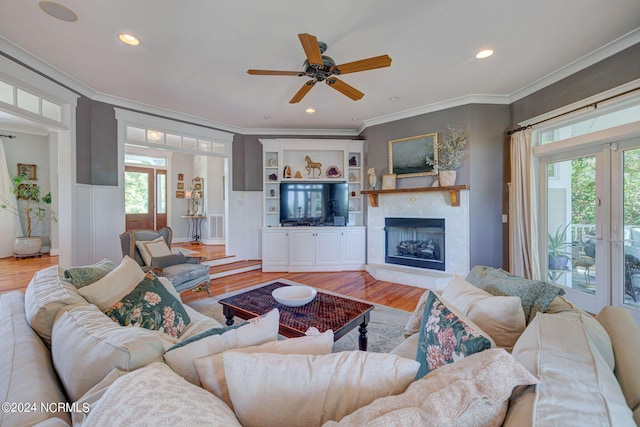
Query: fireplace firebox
{"x": 416, "y": 242}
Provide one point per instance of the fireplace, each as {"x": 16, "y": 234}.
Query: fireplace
{"x": 415, "y": 242}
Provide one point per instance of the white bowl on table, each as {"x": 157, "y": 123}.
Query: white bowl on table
{"x": 294, "y": 295}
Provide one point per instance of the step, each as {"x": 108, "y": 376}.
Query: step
{"x": 228, "y": 269}
{"x": 220, "y": 260}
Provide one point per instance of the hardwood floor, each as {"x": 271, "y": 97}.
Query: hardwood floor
{"x": 15, "y": 274}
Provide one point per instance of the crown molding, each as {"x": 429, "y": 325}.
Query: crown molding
{"x": 618, "y": 45}
{"x": 302, "y": 132}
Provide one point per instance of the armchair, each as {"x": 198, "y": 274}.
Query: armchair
{"x": 183, "y": 272}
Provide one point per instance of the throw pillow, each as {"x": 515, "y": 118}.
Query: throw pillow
{"x": 473, "y": 392}
{"x": 256, "y": 331}
{"x": 168, "y": 260}
{"x": 413, "y": 324}
{"x": 156, "y": 396}
{"x": 500, "y": 317}
{"x": 535, "y": 295}
{"x": 88, "y": 274}
{"x": 299, "y": 390}
{"x": 151, "y": 306}
{"x": 446, "y": 336}
{"x": 116, "y": 284}
{"x": 211, "y": 368}
{"x": 152, "y": 248}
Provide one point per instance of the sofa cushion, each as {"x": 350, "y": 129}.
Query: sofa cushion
{"x": 471, "y": 392}
{"x": 88, "y": 274}
{"x": 300, "y": 390}
{"x": 211, "y": 368}
{"x": 577, "y": 387}
{"x": 116, "y": 284}
{"x": 256, "y": 331}
{"x": 44, "y": 297}
{"x": 535, "y": 295}
{"x": 149, "y": 305}
{"x": 625, "y": 340}
{"x": 153, "y": 248}
{"x": 87, "y": 345}
{"x": 157, "y": 396}
{"x": 446, "y": 336}
{"x": 501, "y": 317}
{"x": 27, "y": 374}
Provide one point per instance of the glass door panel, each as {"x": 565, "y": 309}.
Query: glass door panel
{"x": 631, "y": 225}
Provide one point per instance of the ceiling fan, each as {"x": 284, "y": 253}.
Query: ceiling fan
{"x": 322, "y": 68}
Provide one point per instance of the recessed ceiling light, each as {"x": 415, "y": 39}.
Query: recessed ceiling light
{"x": 393, "y": 98}
{"x": 266, "y": 117}
{"x": 484, "y": 54}
{"x": 129, "y": 39}
{"x": 355, "y": 119}
{"x": 58, "y": 11}
{"x": 310, "y": 110}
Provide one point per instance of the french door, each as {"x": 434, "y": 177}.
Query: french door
{"x": 590, "y": 224}
{"x": 145, "y": 197}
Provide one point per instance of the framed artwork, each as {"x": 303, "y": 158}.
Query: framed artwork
{"x": 180, "y": 194}
{"x": 180, "y": 177}
{"x": 29, "y": 170}
{"x": 407, "y": 156}
{"x": 389, "y": 182}
{"x": 181, "y": 186}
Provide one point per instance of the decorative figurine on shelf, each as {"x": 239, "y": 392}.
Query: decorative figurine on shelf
{"x": 273, "y": 177}
{"x": 353, "y": 161}
{"x": 373, "y": 179}
{"x": 272, "y": 192}
{"x": 352, "y": 177}
{"x": 286, "y": 172}
{"x": 312, "y": 166}
{"x": 298, "y": 174}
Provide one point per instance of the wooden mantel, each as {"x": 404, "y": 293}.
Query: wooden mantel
{"x": 454, "y": 193}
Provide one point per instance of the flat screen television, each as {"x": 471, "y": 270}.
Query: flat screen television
{"x": 325, "y": 203}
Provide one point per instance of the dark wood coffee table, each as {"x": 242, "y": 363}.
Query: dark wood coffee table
{"x": 325, "y": 312}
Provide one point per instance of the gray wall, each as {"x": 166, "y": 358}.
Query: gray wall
{"x": 482, "y": 167}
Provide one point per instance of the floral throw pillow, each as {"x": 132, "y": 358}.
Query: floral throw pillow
{"x": 446, "y": 336}
{"x": 150, "y": 305}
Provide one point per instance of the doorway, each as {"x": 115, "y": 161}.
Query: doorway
{"x": 145, "y": 198}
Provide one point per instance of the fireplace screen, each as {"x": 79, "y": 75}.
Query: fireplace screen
{"x": 416, "y": 242}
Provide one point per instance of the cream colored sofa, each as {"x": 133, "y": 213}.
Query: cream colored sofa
{"x": 98, "y": 373}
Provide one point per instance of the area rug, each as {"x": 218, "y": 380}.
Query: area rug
{"x": 384, "y": 331}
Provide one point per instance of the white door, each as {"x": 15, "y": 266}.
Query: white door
{"x": 275, "y": 255}
{"x": 302, "y": 248}
{"x": 328, "y": 244}
{"x": 353, "y": 247}
{"x": 575, "y": 223}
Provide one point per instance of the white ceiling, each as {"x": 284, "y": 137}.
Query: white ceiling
{"x": 194, "y": 55}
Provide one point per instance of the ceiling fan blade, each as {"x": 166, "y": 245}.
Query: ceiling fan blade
{"x": 302, "y": 92}
{"x": 344, "y": 88}
{"x": 274, "y": 73}
{"x": 362, "y": 65}
{"x": 311, "y": 49}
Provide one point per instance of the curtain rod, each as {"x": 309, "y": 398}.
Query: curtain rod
{"x": 593, "y": 104}
{"x": 7, "y": 136}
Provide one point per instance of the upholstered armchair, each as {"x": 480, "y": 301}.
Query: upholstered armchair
{"x": 152, "y": 250}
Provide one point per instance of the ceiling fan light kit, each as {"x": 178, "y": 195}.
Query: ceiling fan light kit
{"x": 320, "y": 68}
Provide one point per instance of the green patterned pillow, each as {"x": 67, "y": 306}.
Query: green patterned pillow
{"x": 88, "y": 274}
{"x": 446, "y": 336}
{"x": 150, "y": 305}
{"x": 535, "y": 295}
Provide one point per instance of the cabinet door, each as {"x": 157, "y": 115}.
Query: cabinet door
{"x": 302, "y": 247}
{"x": 275, "y": 251}
{"x": 328, "y": 247}
{"x": 353, "y": 248}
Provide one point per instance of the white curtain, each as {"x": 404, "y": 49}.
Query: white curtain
{"x": 523, "y": 225}
{"x": 9, "y": 223}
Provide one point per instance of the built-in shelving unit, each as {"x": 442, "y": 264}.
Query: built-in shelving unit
{"x": 454, "y": 193}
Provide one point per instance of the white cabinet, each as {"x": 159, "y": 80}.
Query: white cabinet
{"x": 296, "y": 249}
{"x": 275, "y": 249}
{"x": 353, "y": 248}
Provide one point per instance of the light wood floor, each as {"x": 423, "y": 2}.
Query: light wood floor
{"x": 15, "y": 274}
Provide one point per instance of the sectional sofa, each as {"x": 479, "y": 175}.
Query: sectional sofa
{"x": 65, "y": 362}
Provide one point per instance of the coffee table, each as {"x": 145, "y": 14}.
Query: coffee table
{"x": 325, "y": 312}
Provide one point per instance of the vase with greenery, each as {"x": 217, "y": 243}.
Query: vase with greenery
{"x": 450, "y": 153}
{"x": 557, "y": 246}
{"x": 33, "y": 209}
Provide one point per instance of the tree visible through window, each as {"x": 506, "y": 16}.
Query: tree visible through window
{"x": 136, "y": 190}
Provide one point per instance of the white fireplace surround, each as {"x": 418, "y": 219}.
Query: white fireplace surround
{"x": 419, "y": 205}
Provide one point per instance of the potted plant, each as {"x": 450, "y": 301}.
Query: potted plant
{"x": 33, "y": 210}
{"x": 557, "y": 244}
{"x": 450, "y": 153}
